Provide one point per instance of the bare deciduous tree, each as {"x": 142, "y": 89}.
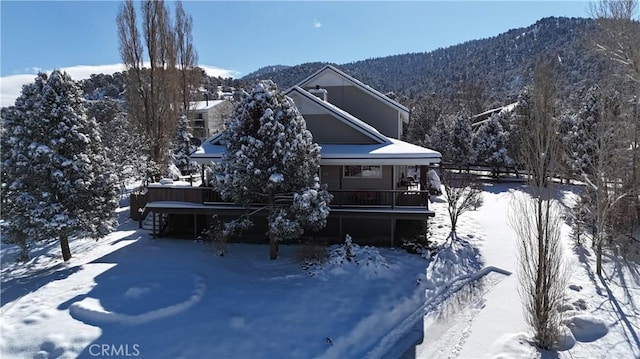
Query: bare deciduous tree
{"x": 462, "y": 195}
{"x": 603, "y": 171}
{"x": 534, "y": 217}
{"x": 152, "y": 91}
{"x": 187, "y": 56}
{"x": 542, "y": 274}
{"x": 618, "y": 21}
{"x": 619, "y": 40}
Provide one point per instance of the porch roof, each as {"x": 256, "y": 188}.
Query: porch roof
{"x": 394, "y": 152}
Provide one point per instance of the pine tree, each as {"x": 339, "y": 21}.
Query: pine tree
{"x": 124, "y": 142}
{"x": 490, "y": 144}
{"x": 453, "y": 138}
{"x": 270, "y": 158}
{"x": 461, "y": 139}
{"x": 582, "y": 139}
{"x": 183, "y": 148}
{"x": 600, "y": 157}
{"x": 439, "y": 139}
{"x": 423, "y": 116}
{"x": 58, "y": 179}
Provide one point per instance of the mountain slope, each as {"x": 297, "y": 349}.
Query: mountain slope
{"x": 501, "y": 64}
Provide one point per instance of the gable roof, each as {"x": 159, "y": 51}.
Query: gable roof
{"x": 385, "y": 150}
{"x": 343, "y": 116}
{"x": 375, "y": 93}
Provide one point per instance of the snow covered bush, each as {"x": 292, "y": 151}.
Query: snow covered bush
{"x": 59, "y": 181}
{"x": 269, "y": 157}
{"x": 450, "y": 263}
{"x": 311, "y": 255}
{"x": 421, "y": 244}
{"x": 350, "y": 257}
{"x": 172, "y": 172}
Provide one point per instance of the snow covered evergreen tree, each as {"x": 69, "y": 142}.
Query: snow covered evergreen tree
{"x": 461, "y": 139}
{"x": 125, "y": 144}
{"x": 183, "y": 148}
{"x": 600, "y": 154}
{"x": 581, "y": 139}
{"x": 423, "y": 116}
{"x": 270, "y": 158}
{"x": 490, "y": 144}
{"x": 59, "y": 182}
{"x": 439, "y": 139}
{"x": 453, "y": 137}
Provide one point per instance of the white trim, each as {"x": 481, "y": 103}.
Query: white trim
{"x": 395, "y": 152}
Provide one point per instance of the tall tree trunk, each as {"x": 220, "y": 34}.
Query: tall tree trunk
{"x": 599, "y": 258}
{"x": 273, "y": 246}
{"x": 273, "y": 241}
{"x": 64, "y": 246}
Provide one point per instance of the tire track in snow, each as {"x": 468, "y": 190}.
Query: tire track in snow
{"x": 448, "y": 326}
{"x": 402, "y": 340}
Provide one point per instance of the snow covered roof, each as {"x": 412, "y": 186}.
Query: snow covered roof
{"x": 484, "y": 116}
{"x": 309, "y": 81}
{"x": 342, "y": 115}
{"x": 204, "y": 105}
{"x": 387, "y": 151}
{"x": 393, "y": 152}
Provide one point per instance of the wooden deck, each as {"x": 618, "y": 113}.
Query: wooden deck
{"x": 375, "y": 206}
{"x": 383, "y": 201}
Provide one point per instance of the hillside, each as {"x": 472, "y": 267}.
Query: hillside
{"x": 500, "y": 64}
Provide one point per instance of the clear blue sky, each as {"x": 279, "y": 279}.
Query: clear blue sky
{"x": 242, "y": 36}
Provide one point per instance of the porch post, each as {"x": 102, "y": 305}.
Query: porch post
{"x": 195, "y": 226}
{"x": 153, "y": 230}
{"x": 394, "y": 177}
{"x": 202, "y": 174}
{"x": 393, "y": 232}
{"x": 423, "y": 178}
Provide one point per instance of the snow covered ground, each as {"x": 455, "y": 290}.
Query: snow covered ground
{"x": 130, "y": 296}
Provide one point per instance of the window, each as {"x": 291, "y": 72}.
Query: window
{"x": 362, "y": 171}
{"x": 198, "y": 124}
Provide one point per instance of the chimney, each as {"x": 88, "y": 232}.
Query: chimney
{"x": 319, "y": 92}
{"x": 206, "y": 98}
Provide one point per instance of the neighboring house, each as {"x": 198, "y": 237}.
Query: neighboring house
{"x": 364, "y": 164}
{"x": 206, "y": 118}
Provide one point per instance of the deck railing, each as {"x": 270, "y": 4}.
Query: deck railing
{"x": 380, "y": 198}
{"x": 352, "y": 198}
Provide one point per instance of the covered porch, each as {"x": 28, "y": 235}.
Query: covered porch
{"x": 379, "y": 184}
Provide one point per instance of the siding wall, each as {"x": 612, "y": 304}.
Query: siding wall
{"x": 368, "y": 109}
{"x": 329, "y": 130}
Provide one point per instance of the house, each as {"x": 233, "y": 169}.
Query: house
{"x": 206, "y": 118}
{"x": 363, "y": 162}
